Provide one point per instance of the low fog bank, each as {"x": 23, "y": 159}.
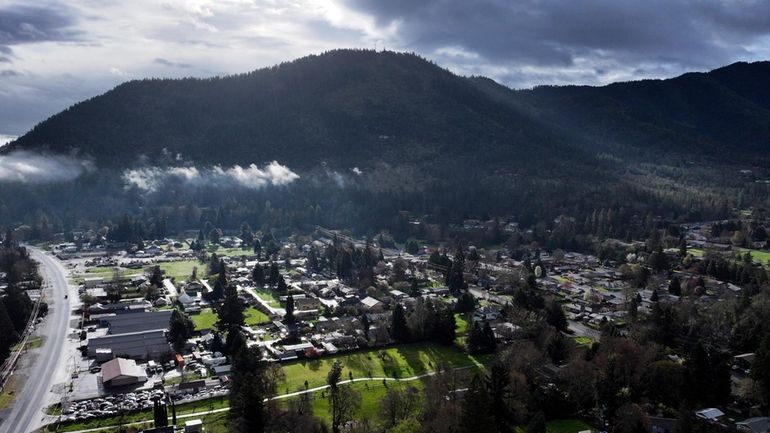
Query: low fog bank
{"x": 35, "y": 168}
{"x": 252, "y": 177}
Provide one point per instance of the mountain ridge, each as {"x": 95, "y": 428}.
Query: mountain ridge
{"x": 355, "y": 107}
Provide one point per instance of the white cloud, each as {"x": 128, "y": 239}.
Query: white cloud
{"x": 28, "y": 167}
{"x": 5, "y": 139}
{"x": 252, "y": 177}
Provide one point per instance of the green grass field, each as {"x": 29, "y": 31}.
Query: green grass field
{"x": 230, "y": 252}
{"x": 461, "y": 325}
{"x": 206, "y": 319}
{"x": 371, "y": 395}
{"x": 105, "y": 273}
{"x": 758, "y": 256}
{"x": 398, "y": 361}
{"x": 696, "y": 252}
{"x": 182, "y": 270}
{"x": 269, "y": 296}
{"x": 255, "y": 317}
{"x": 583, "y": 341}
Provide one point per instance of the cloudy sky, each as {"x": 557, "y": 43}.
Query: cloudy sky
{"x": 54, "y": 53}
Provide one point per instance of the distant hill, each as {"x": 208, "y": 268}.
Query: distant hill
{"x": 356, "y": 108}
{"x": 724, "y": 113}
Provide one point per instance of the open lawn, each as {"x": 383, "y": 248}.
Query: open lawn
{"x": 106, "y": 273}
{"x": 231, "y": 252}
{"x": 583, "y": 341}
{"x": 206, "y": 319}
{"x": 371, "y": 394}
{"x": 696, "y": 252}
{"x": 461, "y": 329}
{"x": 758, "y": 256}
{"x": 181, "y": 270}
{"x": 397, "y": 361}
{"x": 461, "y": 325}
{"x": 255, "y": 317}
{"x": 269, "y": 296}
{"x": 215, "y": 423}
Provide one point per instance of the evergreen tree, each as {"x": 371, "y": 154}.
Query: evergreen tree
{"x": 399, "y": 330}
{"x": 275, "y": 275}
{"x": 465, "y": 303}
{"x": 180, "y": 330}
{"x": 19, "y": 307}
{"x": 674, "y": 287}
{"x": 156, "y": 278}
{"x": 760, "y": 368}
{"x": 475, "y": 412}
{"x": 214, "y": 264}
{"x": 455, "y": 277}
{"x": 247, "y": 237}
{"x": 343, "y": 400}
{"x": 289, "y": 309}
{"x": 682, "y": 247}
{"x": 498, "y": 385}
{"x": 312, "y": 261}
{"x": 445, "y": 328}
{"x": 282, "y": 287}
{"x": 707, "y": 377}
{"x": 251, "y": 385}
{"x": 219, "y": 288}
{"x": 258, "y": 275}
{"x": 555, "y": 316}
{"x": 231, "y": 311}
{"x": 414, "y": 289}
{"x": 344, "y": 264}
{"x": 8, "y": 334}
{"x": 257, "y": 248}
{"x": 412, "y": 247}
{"x": 658, "y": 260}
{"x": 481, "y": 339}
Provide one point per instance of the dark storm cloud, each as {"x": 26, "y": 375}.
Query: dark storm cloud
{"x": 24, "y": 24}
{"x": 20, "y": 24}
{"x": 554, "y": 33}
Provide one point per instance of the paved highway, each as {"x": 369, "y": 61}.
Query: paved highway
{"x": 28, "y": 411}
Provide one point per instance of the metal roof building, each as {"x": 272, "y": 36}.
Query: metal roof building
{"x": 135, "y": 345}
{"x": 120, "y": 372}
{"x": 138, "y": 322}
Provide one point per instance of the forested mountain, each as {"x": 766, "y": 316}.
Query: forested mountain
{"x": 418, "y": 138}
{"x": 724, "y": 113}
{"x": 357, "y": 107}
{"x": 349, "y": 108}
